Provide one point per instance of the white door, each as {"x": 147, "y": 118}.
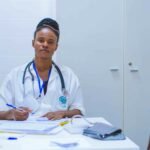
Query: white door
{"x": 91, "y": 43}
{"x": 137, "y": 71}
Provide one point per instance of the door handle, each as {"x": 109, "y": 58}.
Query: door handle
{"x": 134, "y": 70}
{"x": 114, "y": 69}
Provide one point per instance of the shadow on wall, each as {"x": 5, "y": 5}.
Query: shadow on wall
{"x": 148, "y": 147}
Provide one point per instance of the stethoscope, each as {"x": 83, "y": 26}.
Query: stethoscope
{"x": 62, "y": 98}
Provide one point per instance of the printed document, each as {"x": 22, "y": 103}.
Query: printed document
{"x": 30, "y": 127}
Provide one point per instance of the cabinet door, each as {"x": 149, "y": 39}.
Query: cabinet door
{"x": 91, "y": 44}
{"x": 137, "y": 71}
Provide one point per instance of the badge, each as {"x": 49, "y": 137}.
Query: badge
{"x": 63, "y": 101}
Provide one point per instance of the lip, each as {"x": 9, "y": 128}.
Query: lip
{"x": 44, "y": 50}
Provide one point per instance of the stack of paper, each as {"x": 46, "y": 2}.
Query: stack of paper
{"x": 28, "y": 127}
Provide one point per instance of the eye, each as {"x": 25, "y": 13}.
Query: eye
{"x": 40, "y": 40}
{"x": 51, "y": 42}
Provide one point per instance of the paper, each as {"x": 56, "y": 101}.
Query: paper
{"x": 31, "y": 127}
{"x": 77, "y": 126}
{"x": 69, "y": 143}
{"x": 36, "y": 118}
{"x": 65, "y": 145}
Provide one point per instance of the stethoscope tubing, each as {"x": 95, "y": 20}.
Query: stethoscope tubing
{"x": 32, "y": 76}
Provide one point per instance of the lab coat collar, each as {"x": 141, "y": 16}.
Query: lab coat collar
{"x": 53, "y": 75}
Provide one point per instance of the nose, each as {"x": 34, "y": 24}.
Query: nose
{"x": 45, "y": 44}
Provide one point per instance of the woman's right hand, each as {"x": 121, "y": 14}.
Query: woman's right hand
{"x": 18, "y": 114}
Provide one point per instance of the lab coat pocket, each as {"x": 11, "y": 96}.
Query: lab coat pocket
{"x": 61, "y": 103}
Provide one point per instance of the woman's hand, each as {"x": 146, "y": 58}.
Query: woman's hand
{"x": 55, "y": 115}
{"x": 62, "y": 114}
{"x": 20, "y": 113}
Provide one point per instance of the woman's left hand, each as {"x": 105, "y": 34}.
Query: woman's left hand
{"x": 55, "y": 115}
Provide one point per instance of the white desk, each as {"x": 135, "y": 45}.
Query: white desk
{"x": 43, "y": 142}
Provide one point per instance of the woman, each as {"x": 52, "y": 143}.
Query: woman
{"x": 41, "y": 88}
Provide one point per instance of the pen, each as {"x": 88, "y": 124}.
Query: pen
{"x": 14, "y": 107}
{"x": 12, "y": 138}
{"x": 9, "y": 105}
{"x": 8, "y": 138}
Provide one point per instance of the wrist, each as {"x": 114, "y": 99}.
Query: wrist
{"x": 64, "y": 114}
{"x": 9, "y": 115}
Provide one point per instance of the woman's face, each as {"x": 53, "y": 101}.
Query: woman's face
{"x": 45, "y": 43}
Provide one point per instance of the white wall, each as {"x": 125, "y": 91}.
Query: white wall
{"x": 18, "y": 20}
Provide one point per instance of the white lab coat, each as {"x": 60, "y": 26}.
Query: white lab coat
{"x": 14, "y": 92}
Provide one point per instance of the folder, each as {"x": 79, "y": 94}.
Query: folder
{"x": 104, "y": 131}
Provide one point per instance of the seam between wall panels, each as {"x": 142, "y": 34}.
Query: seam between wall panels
{"x": 124, "y": 48}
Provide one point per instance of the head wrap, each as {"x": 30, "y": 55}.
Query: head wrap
{"x": 50, "y": 23}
